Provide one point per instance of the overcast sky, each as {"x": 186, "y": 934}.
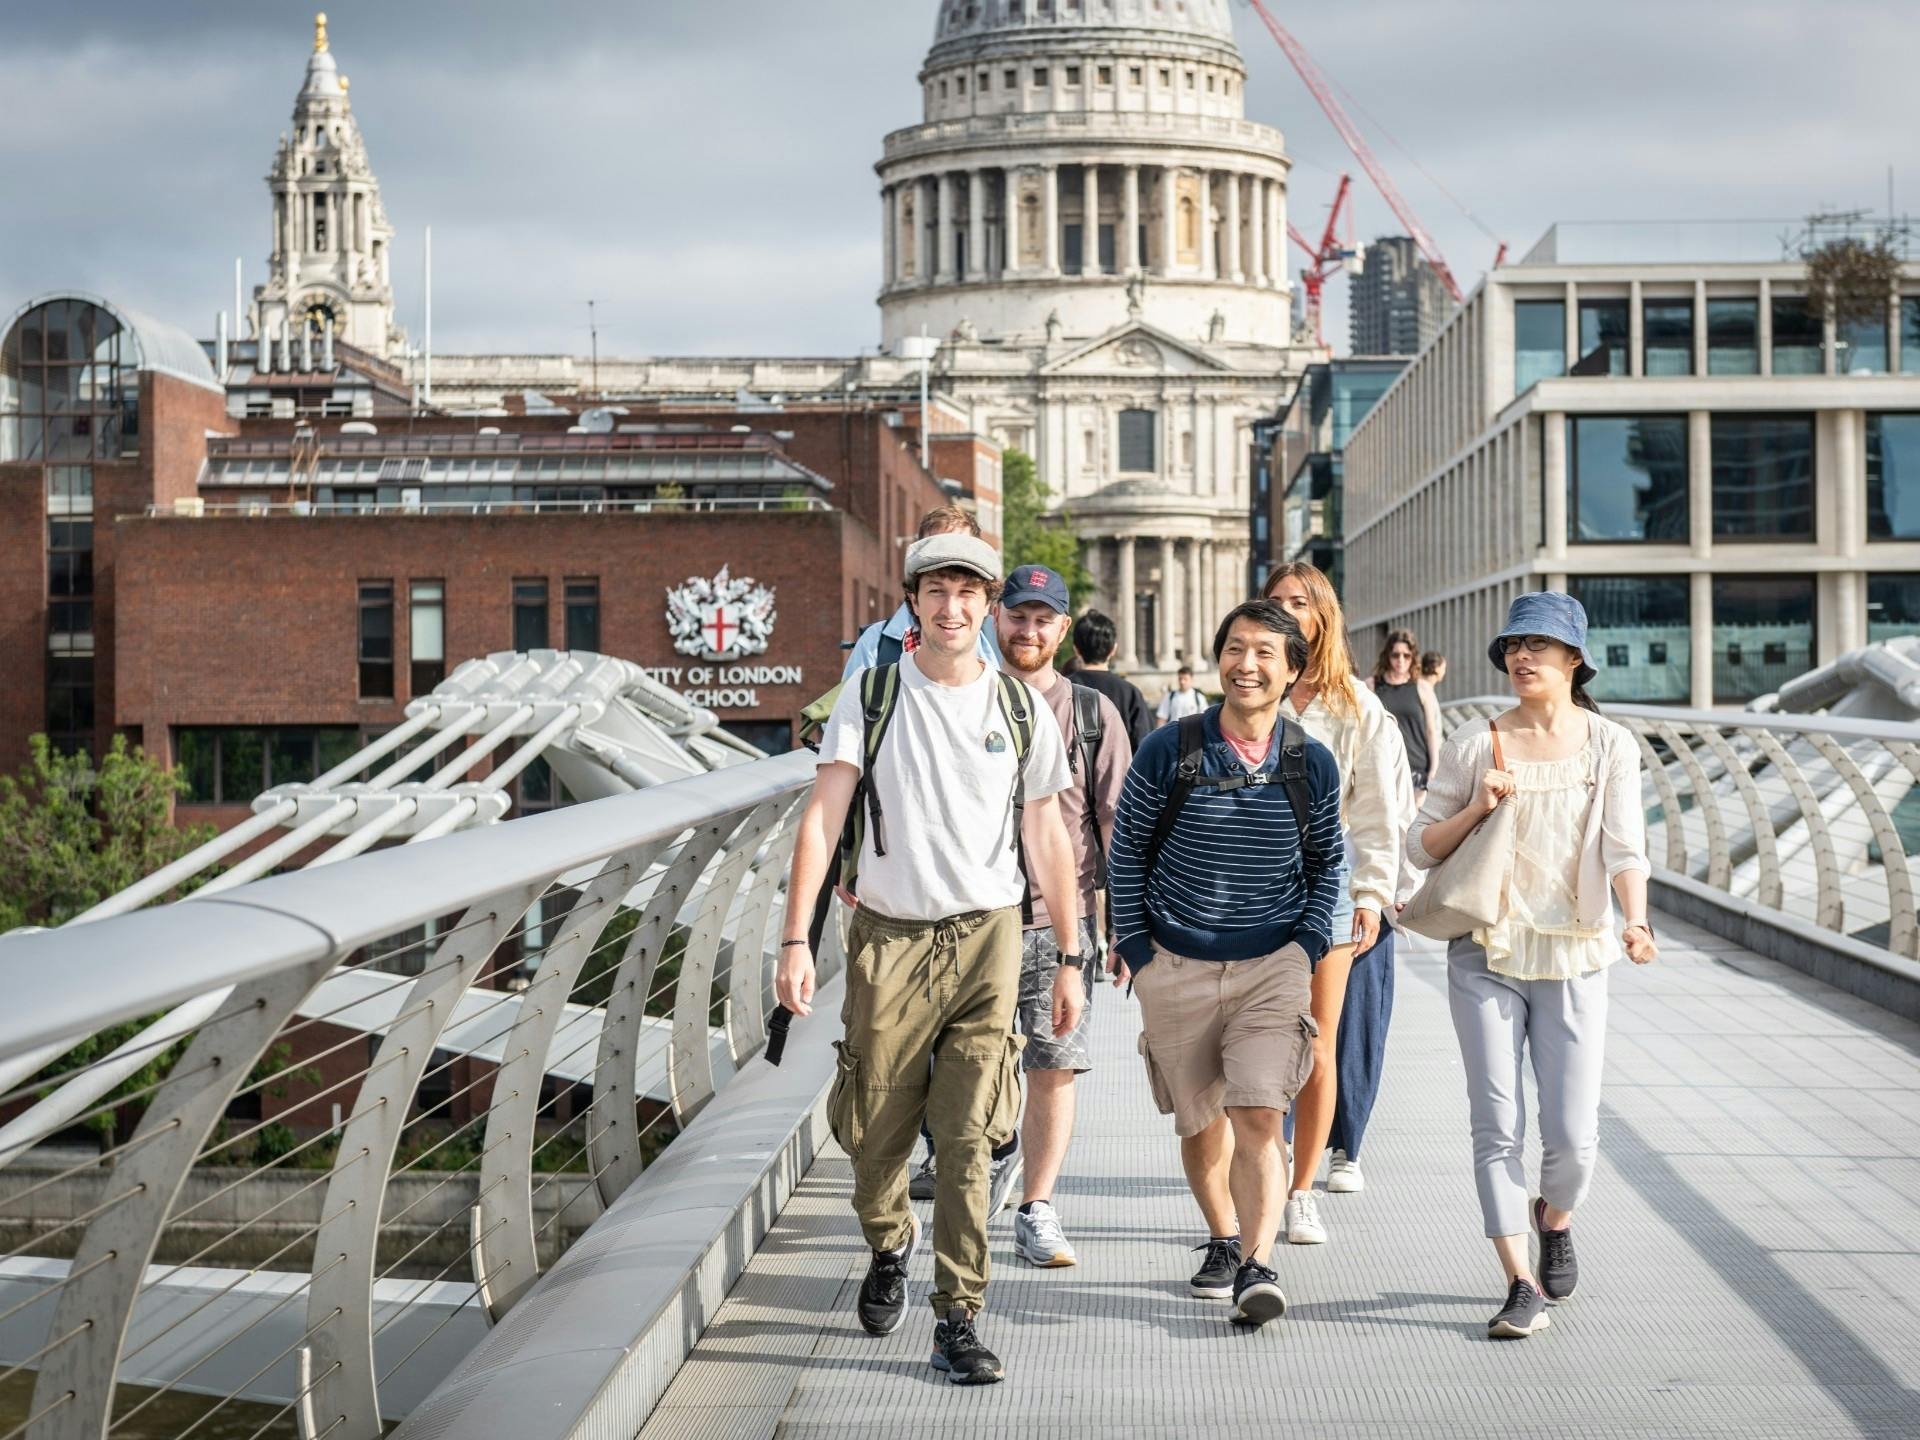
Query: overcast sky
{"x": 703, "y": 168}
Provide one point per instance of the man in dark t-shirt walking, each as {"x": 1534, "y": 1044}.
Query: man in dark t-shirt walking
{"x": 1093, "y": 642}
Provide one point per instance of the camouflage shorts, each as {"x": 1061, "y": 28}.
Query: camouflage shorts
{"x": 1039, "y": 964}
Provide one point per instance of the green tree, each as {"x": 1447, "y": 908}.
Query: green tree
{"x": 1032, "y": 535}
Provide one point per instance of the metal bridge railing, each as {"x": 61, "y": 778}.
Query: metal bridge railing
{"x": 289, "y": 1205}
{"x": 1812, "y": 816}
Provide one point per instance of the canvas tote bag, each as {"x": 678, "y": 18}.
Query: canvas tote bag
{"x": 1468, "y": 890}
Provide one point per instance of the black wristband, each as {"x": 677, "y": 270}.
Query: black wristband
{"x": 1066, "y": 960}
{"x": 785, "y": 944}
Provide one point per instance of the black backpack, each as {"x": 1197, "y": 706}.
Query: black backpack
{"x": 1290, "y": 773}
{"x": 1089, "y": 733}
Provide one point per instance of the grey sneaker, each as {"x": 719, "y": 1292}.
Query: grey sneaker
{"x": 1038, "y": 1238}
{"x": 1559, "y": 1271}
{"x": 1002, "y": 1176}
{"x": 920, "y": 1185}
{"x": 1524, "y": 1313}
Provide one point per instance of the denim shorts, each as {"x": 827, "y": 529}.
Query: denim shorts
{"x": 1342, "y": 926}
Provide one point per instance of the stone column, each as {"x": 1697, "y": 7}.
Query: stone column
{"x": 1124, "y": 604}
{"x": 1553, "y": 482}
{"x": 1235, "y": 271}
{"x": 1169, "y": 220}
{"x": 976, "y": 225}
{"x": 1209, "y": 246}
{"x": 1700, "y": 482}
{"x": 1012, "y": 219}
{"x": 889, "y": 238}
{"x": 1196, "y": 611}
{"x": 1050, "y": 218}
{"x": 943, "y": 251}
{"x": 1277, "y": 233}
{"x": 1089, "y": 219}
{"x": 1130, "y": 258}
{"x": 1257, "y": 231}
{"x": 1168, "y": 640}
{"x": 1700, "y": 614}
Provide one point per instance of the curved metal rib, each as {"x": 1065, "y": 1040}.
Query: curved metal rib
{"x": 746, "y": 981}
{"x": 1719, "y": 858}
{"x": 1903, "y": 925}
{"x": 1766, "y": 851}
{"x": 613, "y": 1146}
{"x": 1830, "y": 904}
{"x": 506, "y": 1258}
{"x": 1669, "y": 797}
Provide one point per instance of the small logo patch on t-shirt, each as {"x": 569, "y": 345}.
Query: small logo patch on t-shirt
{"x": 996, "y": 743}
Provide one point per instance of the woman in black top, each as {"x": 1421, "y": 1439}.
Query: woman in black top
{"x": 1411, "y": 702}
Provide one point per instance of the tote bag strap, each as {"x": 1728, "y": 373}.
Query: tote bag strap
{"x": 1499, "y": 760}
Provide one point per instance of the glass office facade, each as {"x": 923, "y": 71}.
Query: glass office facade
{"x": 1893, "y": 477}
{"x": 1640, "y": 634}
{"x": 1763, "y": 477}
{"x": 1762, "y": 634}
{"x": 1627, "y": 478}
{"x": 1539, "y": 342}
{"x": 1893, "y": 606}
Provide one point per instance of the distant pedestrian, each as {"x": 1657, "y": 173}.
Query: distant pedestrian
{"x": 1353, "y": 985}
{"x": 1433, "y": 668}
{"x": 1181, "y": 701}
{"x": 1536, "y": 979}
{"x": 885, "y": 641}
{"x": 1226, "y": 870}
{"x": 1093, "y": 641}
{"x": 1410, "y": 700}
{"x": 956, "y": 783}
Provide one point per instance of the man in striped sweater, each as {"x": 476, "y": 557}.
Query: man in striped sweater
{"x": 1219, "y": 920}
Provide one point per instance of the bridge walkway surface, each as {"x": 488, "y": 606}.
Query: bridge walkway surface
{"x": 1749, "y": 1257}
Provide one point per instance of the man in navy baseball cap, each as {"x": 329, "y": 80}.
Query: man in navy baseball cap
{"x": 1036, "y": 582}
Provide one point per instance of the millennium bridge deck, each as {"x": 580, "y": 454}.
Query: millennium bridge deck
{"x": 1749, "y": 1257}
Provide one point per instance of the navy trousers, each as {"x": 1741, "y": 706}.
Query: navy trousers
{"x": 1360, "y": 1048}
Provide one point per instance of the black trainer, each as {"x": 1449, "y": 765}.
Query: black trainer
{"x": 958, "y": 1351}
{"x": 923, "y": 1182}
{"x": 883, "y": 1294}
{"x": 1559, "y": 1271}
{"x": 1257, "y": 1297}
{"x": 1524, "y": 1313}
{"x": 1214, "y": 1279}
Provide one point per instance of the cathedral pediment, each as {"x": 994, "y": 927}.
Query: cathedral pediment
{"x": 1136, "y": 348}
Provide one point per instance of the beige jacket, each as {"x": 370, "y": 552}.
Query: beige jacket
{"x": 1615, "y": 839}
{"x": 1376, "y": 789}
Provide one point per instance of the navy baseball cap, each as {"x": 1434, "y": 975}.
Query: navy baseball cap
{"x": 1037, "y": 582}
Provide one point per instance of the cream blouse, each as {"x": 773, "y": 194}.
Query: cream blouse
{"x": 1541, "y": 937}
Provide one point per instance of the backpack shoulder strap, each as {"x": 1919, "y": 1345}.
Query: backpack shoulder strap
{"x": 888, "y": 650}
{"x": 1293, "y": 778}
{"x": 879, "y": 698}
{"x": 1089, "y": 734}
{"x": 1186, "y": 775}
{"x": 1017, "y": 708}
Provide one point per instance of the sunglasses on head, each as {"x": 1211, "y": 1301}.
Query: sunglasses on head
{"x": 1512, "y": 644}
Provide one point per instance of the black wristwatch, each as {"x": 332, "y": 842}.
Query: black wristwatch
{"x": 1079, "y": 962}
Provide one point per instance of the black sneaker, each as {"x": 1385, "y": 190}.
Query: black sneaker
{"x": 958, "y": 1351}
{"x": 1524, "y": 1313}
{"x": 1214, "y": 1279}
{"x": 1256, "y": 1295}
{"x": 920, "y": 1186}
{"x": 883, "y": 1294}
{"x": 1559, "y": 1271}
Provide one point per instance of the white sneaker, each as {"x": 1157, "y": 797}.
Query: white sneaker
{"x": 1038, "y": 1238}
{"x": 1343, "y": 1175}
{"x": 1303, "y": 1220}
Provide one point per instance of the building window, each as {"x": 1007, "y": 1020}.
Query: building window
{"x": 986, "y": 82}
{"x": 1762, "y": 634}
{"x": 1604, "y": 338}
{"x": 1166, "y": 78}
{"x": 1073, "y": 249}
{"x": 1627, "y": 478}
{"x": 1012, "y": 79}
{"x": 1040, "y": 75}
{"x": 1862, "y": 348}
{"x": 69, "y": 390}
{"x": 1667, "y": 332}
{"x": 1073, "y": 74}
{"x": 1893, "y": 607}
{"x": 1539, "y": 342}
{"x": 1893, "y": 477}
{"x": 1733, "y": 337}
{"x": 427, "y": 620}
{"x": 1763, "y": 477}
{"x": 960, "y": 84}
{"x": 1105, "y": 73}
{"x": 70, "y": 716}
{"x": 1643, "y": 625}
{"x": 529, "y": 615}
{"x": 1137, "y": 449}
{"x": 1909, "y": 337}
{"x": 376, "y": 640}
{"x": 231, "y": 767}
{"x": 1137, "y": 74}
{"x": 1797, "y": 336}
{"x": 583, "y": 615}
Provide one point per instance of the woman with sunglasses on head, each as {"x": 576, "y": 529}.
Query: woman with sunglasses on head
{"x": 1411, "y": 700}
{"x": 1353, "y": 984}
{"x": 1536, "y": 979}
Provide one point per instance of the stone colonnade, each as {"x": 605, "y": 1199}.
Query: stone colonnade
{"x": 1166, "y": 594}
{"x": 951, "y": 227}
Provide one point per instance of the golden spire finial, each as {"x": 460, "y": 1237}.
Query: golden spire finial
{"x": 320, "y": 33}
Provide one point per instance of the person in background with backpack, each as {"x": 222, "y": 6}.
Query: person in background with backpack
{"x": 885, "y": 641}
{"x": 1093, "y": 640}
{"x": 1226, "y": 868}
{"x": 955, "y": 775}
{"x": 1353, "y": 986}
{"x": 1033, "y": 621}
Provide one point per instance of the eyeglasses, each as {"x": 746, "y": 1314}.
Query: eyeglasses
{"x": 1399, "y": 654}
{"x": 1512, "y": 644}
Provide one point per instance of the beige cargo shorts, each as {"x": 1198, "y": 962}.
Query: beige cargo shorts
{"x": 1219, "y": 1033}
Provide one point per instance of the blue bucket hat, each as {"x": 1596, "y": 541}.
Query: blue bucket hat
{"x": 1550, "y": 613}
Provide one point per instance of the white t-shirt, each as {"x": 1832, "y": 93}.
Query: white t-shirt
{"x": 945, "y": 778}
{"x": 1178, "y": 704}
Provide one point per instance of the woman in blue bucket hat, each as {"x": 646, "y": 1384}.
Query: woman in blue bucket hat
{"x": 1536, "y": 979}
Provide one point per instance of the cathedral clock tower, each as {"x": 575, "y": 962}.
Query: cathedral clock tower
{"x": 332, "y": 242}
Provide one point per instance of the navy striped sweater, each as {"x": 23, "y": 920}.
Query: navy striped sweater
{"x": 1231, "y": 882}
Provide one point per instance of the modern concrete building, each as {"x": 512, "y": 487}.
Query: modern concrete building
{"x": 1395, "y": 303}
{"x": 1731, "y": 487}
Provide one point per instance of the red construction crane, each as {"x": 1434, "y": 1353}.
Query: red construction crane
{"x": 1323, "y": 92}
{"x": 1327, "y": 257}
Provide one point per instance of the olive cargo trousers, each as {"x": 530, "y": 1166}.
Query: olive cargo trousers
{"x": 928, "y": 1020}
